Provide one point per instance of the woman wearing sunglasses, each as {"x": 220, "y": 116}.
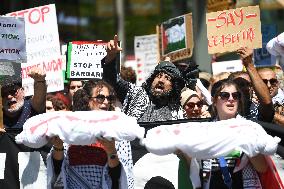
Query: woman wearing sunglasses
{"x": 193, "y": 104}
{"x": 219, "y": 173}
{"x": 103, "y": 165}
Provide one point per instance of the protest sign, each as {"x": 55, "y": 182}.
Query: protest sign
{"x": 229, "y": 30}
{"x": 84, "y": 59}
{"x": 146, "y": 55}
{"x": 54, "y": 76}
{"x": 42, "y": 45}
{"x": 262, "y": 58}
{"x": 12, "y": 39}
{"x": 176, "y": 38}
{"x": 227, "y": 66}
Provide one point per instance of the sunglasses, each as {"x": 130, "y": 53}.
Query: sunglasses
{"x": 191, "y": 105}
{"x": 101, "y": 98}
{"x": 75, "y": 86}
{"x": 272, "y": 81}
{"x": 49, "y": 108}
{"x": 12, "y": 92}
{"x": 226, "y": 95}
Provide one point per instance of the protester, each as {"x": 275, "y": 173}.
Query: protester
{"x": 263, "y": 110}
{"x": 269, "y": 78}
{"x": 16, "y": 107}
{"x": 156, "y": 100}
{"x": 227, "y": 104}
{"x": 72, "y": 86}
{"x": 48, "y": 103}
{"x": 105, "y": 164}
{"x": 193, "y": 104}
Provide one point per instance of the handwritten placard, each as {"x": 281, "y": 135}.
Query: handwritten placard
{"x": 54, "y": 77}
{"x": 12, "y": 39}
{"x": 84, "y": 59}
{"x": 42, "y": 45}
{"x": 146, "y": 55}
{"x": 177, "y": 38}
{"x": 229, "y": 30}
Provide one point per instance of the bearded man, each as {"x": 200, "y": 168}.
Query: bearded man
{"x": 16, "y": 107}
{"x": 158, "y": 99}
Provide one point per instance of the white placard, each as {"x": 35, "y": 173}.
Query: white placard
{"x": 84, "y": 59}
{"x": 146, "y": 55}
{"x": 54, "y": 76}
{"x": 12, "y": 39}
{"x": 227, "y": 66}
{"x": 43, "y": 47}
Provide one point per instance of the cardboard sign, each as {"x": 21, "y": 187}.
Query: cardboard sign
{"x": 229, "y": 30}
{"x": 12, "y": 39}
{"x": 177, "y": 38}
{"x": 42, "y": 45}
{"x": 146, "y": 55}
{"x": 84, "y": 59}
{"x": 262, "y": 58}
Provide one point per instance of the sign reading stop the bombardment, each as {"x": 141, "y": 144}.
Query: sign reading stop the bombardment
{"x": 229, "y": 30}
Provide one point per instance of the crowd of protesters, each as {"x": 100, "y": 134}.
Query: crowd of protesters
{"x": 253, "y": 94}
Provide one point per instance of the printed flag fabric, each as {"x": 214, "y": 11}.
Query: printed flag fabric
{"x": 79, "y": 128}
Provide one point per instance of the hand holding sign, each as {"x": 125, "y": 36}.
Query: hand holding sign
{"x": 246, "y": 55}
{"x": 112, "y": 49}
{"x": 37, "y": 74}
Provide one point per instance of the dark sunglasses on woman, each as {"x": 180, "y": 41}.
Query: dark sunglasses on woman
{"x": 226, "y": 95}
{"x": 101, "y": 98}
{"x": 191, "y": 105}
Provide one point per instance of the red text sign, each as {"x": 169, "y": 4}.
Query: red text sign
{"x": 229, "y": 30}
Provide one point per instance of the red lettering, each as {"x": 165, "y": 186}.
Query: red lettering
{"x": 44, "y": 10}
{"x": 221, "y": 16}
{"x": 22, "y": 13}
{"x": 250, "y": 34}
{"x": 231, "y": 19}
{"x": 36, "y": 16}
{"x": 241, "y": 16}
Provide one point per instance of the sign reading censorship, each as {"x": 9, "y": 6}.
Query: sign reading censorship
{"x": 229, "y": 30}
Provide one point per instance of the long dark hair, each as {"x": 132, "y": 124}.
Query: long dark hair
{"x": 174, "y": 96}
{"x": 215, "y": 91}
{"x": 82, "y": 96}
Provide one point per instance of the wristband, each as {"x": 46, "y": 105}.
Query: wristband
{"x": 58, "y": 149}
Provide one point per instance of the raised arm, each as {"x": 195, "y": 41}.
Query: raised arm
{"x": 266, "y": 110}
{"x": 40, "y": 89}
{"x": 110, "y": 73}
